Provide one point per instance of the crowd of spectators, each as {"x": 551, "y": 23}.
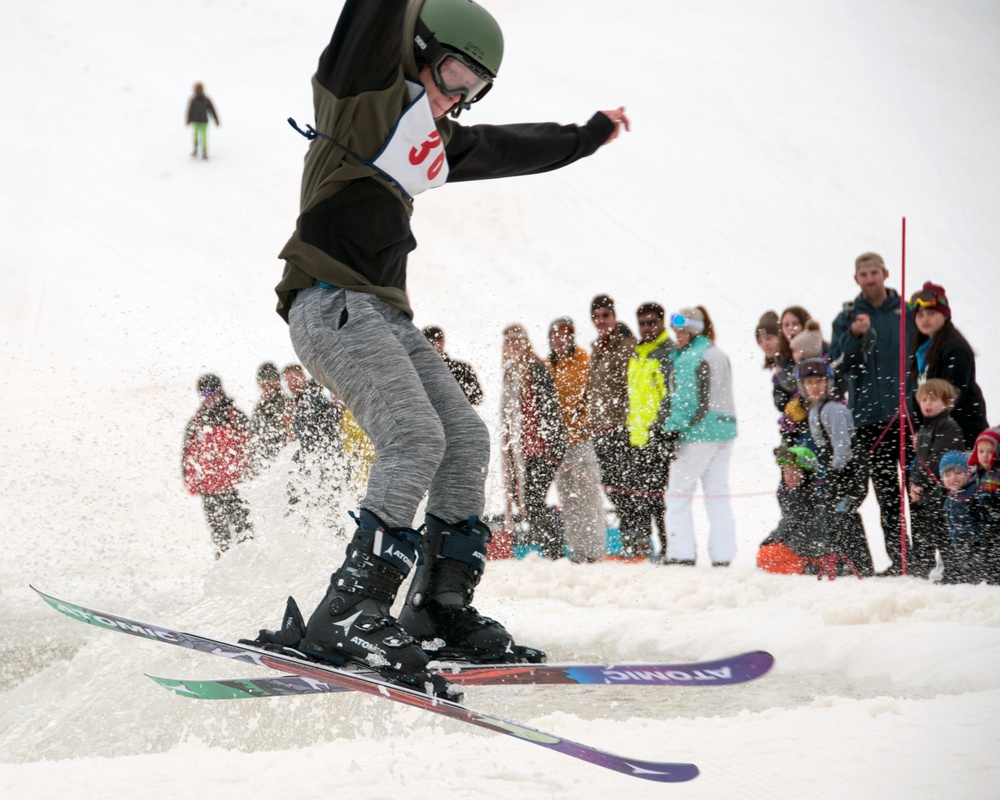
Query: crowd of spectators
{"x": 320, "y": 447}
{"x": 841, "y": 409}
{"x": 638, "y": 423}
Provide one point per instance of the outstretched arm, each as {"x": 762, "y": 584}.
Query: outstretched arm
{"x": 620, "y": 120}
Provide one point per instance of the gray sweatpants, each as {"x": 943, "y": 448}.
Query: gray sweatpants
{"x": 427, "y": 437}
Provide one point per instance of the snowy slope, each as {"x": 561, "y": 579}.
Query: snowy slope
{"x": 771, "y": 144}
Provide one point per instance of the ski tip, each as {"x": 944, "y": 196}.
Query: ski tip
{"x": 762, "y": 660}
{"x": 658, "y": 772}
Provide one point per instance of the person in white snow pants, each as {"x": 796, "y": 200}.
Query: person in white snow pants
{"x": 702, "y": 421}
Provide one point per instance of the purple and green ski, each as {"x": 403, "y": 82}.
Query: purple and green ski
{"x": 663, "y": 772}
{"x": 721, "y": 672}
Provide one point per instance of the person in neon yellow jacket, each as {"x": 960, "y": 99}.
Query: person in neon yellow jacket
{"x": 649, "y": 449}
{"x": 702, "y": 421}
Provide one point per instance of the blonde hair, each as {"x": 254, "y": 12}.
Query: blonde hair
{"x": 939, "y": 388}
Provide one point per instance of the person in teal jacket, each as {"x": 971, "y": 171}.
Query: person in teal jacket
{"x": 702, "y": 421}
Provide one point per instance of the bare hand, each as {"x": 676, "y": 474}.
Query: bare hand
{"x": 619, "y": 118}
{"x": 916, "y": 493}
{"x": 860, "y": 326}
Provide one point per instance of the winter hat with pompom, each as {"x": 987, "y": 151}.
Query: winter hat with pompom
{"x": 809, "y": 342}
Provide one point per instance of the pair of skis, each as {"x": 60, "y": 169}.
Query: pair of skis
{"x": 306, "y": 677}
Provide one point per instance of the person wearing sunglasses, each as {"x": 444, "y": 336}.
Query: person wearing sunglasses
{"x": 386, "y": 92}
{"x": 702, "y": 422}
{"x": 864, "y": 349}
{"x": 938, "y": 350}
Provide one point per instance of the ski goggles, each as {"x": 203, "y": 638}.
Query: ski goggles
{"x": 455, "y": 75}
{"x": 679, "y": 322}
{"x": 926, "y": 299}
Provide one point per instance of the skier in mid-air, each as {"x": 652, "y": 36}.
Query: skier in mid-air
{"x": 391, "y": 74}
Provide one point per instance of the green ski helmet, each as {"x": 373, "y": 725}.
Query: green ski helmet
{"x": 463, "y": 29}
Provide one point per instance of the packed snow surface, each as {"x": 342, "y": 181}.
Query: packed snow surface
{"x": 772, "y": 143}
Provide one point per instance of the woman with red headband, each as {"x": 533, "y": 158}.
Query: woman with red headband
{"x": 938, "y": 350}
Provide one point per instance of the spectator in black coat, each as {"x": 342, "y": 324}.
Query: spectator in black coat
{"x": 938, "y": 434}
{"x": 200, "y": 107}
{"x": 463, "y": 372}
{"x": 938, "y": 350}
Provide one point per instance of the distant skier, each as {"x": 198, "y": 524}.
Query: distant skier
{"x": 199, "y": 108}
{"x": 390, "y": 75}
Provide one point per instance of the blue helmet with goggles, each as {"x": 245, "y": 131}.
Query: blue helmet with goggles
{"x": 462, "y": 44}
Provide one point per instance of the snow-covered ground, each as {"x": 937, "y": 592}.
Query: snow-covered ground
{"x": 772, "y": 142}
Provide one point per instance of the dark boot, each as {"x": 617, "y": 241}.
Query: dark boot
{"x": 352, "y": 623}
{"x": 437, "y": 611}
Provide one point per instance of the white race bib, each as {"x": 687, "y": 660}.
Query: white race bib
{"x": 413, "y": 155}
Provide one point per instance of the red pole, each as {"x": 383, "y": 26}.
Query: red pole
{"x": 903, "y": 412}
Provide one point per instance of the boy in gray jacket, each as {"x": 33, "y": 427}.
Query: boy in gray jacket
{"x": 831, "y": 427}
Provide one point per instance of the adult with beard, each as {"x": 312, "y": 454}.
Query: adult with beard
{"x": 864, "y": 349}
{"x": 650, "y": 450}
{"x": 609, "y": 357}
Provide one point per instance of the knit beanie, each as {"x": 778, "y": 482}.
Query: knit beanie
{"x": 268, "y": 371}
{"x": 568, "y": 321}
{"x": 209, "y": 383}
{"x": 809, "y": 342}
{"x": 953, "y": 459}
{"x": 768, "y": 324}
{"x": 933, "y": 295}
{"x": 989, "y": 435}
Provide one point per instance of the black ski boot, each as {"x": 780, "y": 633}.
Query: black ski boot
{"x": 353, "y": 623}
{"x": 437, "y": 611}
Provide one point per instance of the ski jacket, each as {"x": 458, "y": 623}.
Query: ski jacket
{"x": 572, "y": 379}
{"x": 215, "y": 448}
{"x": 803, "y": 526}
{"x": 466, "y": 377}
{"x": 961, "y": 523}
{"x": 702, "y": 408}
{"x": 267, "y": 429}
{"x": 957, "y": 365}
{"x": 378, "y": 146}
{"x": 648, "y": 379}
{"x": 870, "y": 364}
{"x": 935, "y": 437}
{"x": 609, "y": 357}
{"x": 533, "y": 422}
{"x": 831, "y": 426}
{"x": 199, "y": 108}
{"x": 314, "y": 422}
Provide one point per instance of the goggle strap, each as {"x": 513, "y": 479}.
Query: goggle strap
{"x": 427, "y": 44}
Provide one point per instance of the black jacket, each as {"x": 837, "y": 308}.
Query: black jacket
{"x": 957, "y": 365}
{"x": 354, "y": 227}
{"x": 935, "y": 437}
